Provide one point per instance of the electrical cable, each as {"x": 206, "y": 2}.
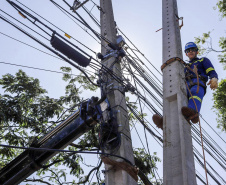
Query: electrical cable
{"x": 138, "y": 50}
{"x": 212, "y": 129}
{"x": 83, "y": 21}
{"x": 91, "y": 16}
{"x": 197, "y": 152}
{"x": 221, "y": 157}
{"x": 24, "y": 25}
{"x": 223, "y": 140}
{"x": 53, "y": 31}
{"x": 142, "y": 119}
{"x": 56, "y": 27}
{"x": 66, "y": 151}
{"x": 30, "y": 46}
{"x": 210, "y": 174}
{"x": 65, "y": 59}
{"x": 138, "y": 64}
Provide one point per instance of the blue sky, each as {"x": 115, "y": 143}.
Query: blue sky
{"x": 139, "y": 20}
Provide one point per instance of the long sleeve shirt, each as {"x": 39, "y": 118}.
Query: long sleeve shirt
{"x": 204, "y": 66}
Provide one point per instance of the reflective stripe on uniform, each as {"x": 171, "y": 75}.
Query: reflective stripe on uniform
{"x": 199, "y": 60}
{"x": 209, "y": 69}
{"x": 195, "y": 97}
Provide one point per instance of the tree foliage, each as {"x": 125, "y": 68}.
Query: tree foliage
{"x": 220, "y": 104}
{"x": 27, "y": 113}
{"x": 205, "y": 44}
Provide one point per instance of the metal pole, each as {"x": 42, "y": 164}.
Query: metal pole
{"x": 114, "y": 174}
{"x": 178, "y": 159}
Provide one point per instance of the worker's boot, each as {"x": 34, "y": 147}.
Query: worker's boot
{"x": 190, "y": 114}
{"x": 158, "y": 120}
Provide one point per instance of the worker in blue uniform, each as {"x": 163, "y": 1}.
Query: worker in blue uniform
{"x": 203, "y": 68}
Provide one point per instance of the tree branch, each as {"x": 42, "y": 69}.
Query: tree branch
{"x": 36, "y": 180}
{"x": 87, "y": 177}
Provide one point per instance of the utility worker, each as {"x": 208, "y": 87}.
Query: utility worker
{"x": 201, "y": 68}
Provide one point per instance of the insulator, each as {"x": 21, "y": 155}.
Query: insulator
{"x": 70, "y": 52}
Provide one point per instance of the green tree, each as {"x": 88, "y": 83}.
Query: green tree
{"x": 27, "y": 113}
{"x": 205, "y": 43}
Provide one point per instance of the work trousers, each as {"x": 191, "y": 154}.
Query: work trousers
{"x": 195, "y": 98}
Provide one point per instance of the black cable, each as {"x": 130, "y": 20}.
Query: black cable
{"x": 139, "y": 50}
{"x": 138, "y": 64}
{"x": 211, "y": 147}
{"x": 212, "y": 129}
{"x": 149, "y": 130}
{"x": 24, "y": 25}
{"x": 30, "y": 46}
{"x": 197, "y": 152}
{"x": 91, "y": 16}
{"x": 83, "y": 21}
{"x": 66, "y": 151}
{"x": 19, "y": 9}
{"x": 160, "y": 105}
{"x": 196, "y": 139}
{"x": 65, "y": 59}
{"x": 56, "y": 26}
{"x": 53, "y": 31}
{"x": 210, "y": 174}
{"x": 142, "y": 119}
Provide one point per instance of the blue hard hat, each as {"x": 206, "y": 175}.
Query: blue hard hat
{"x": 190, "y": 45}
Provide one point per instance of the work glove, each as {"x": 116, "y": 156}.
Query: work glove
{"x": 213, "y": 83}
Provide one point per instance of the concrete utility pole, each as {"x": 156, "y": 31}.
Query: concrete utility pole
{"x": 113, "y": 174}
{"x": 178, "y": 159}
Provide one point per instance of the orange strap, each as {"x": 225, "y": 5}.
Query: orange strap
{"x": 172, "y": 60}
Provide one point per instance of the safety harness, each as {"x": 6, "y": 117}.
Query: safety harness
{"x": 188, "y": 76}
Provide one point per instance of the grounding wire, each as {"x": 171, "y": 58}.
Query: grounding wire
{"x": 56, "y": 26}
